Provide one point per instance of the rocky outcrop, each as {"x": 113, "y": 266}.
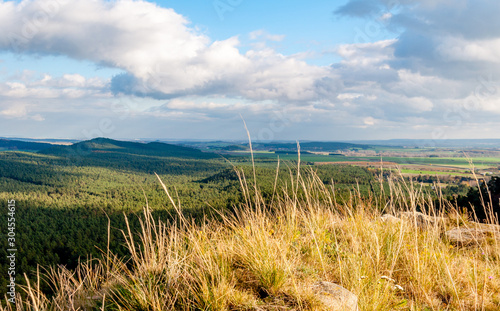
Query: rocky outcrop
{"x": 335, "y": 297}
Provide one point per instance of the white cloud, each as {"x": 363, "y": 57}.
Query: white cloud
{"x": 179, "y": 104}
{"x": 67, "y": 86}
{"x": 19, "y": 111}
{"x": 365, "y": 54}
{"x": 215, "y": 108}
{"x": 420, "y": 104}
{"x": 386, "y": 16}
{"x": 369, "y": 121}
{"x": 264, "y": 35}
{"x": 345, "y": 96}
{"x": 74, "y": 80}
{"x": 459, "y": 49}
{"x": 161, "y": 53}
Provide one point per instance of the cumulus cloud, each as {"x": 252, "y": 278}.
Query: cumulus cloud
{"x": 162, "y": 54}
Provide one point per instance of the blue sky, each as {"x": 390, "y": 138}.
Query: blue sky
{"x": 295, "y": 70}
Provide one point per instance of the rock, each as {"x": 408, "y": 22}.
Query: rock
{"x": 421, "y": 220}
{"x": 473, "y": 234}
{"x": 335, "y": 297}
{"x": 390, "y": 219}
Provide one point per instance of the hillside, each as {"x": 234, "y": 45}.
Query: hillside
{"x": 17, "y": 145}
{"x": 110, "y": 146}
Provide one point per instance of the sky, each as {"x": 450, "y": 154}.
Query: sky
{"x": 292, "y": 70}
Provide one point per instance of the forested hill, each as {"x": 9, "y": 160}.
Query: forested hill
{"x": 109, "y": 146}
{"x": 7, "y": 144}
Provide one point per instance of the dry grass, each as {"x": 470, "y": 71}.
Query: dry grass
{"x": 267, "y": 255}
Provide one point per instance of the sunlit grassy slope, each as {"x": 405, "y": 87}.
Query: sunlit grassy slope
{"x": 265, "y": 255}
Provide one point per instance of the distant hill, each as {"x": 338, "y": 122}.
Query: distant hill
{"x": 109, "y": 146}
{"x": 53, "y": 141}
{"x": 106, "y": 145}
{"x": 7, "y": 144}
{"x": 432, "y": 143}
{"x": 311, "y": 146}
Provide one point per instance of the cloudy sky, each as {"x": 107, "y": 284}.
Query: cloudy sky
{"x": 322, "y": 70}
